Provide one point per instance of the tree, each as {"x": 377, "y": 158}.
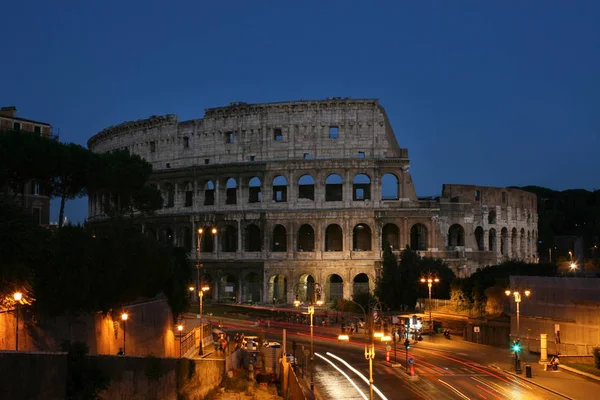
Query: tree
{"x": 387, "y": 288}
{"x": 70, "y": 174}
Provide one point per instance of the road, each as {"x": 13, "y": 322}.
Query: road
{"x": 443, "y": 370}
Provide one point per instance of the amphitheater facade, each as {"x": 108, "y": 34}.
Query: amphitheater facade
{"x": 308, "y": 192}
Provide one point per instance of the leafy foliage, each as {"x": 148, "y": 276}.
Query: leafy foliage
{"x": 84, "y": 380}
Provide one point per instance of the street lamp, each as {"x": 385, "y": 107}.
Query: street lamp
{"x": 17, "y": 296}
{"x": 124, "y": 318}
{"x": 369, "y": 347}
{"x": 180, "y": 329}
{"x": 517, "y": 343}
{"x": 204, "y": 288}
{"x": 430, "y": 281}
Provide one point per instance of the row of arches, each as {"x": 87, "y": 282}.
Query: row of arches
{"x": 252, "y": 187}
{"x": 510, "y": 244}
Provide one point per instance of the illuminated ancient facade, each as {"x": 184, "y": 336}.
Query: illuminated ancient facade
{"x": 309, "y": 191}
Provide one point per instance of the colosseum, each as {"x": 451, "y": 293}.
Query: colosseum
{"x": 308, "y": 192}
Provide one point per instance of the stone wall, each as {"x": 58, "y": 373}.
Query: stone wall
{"x": 33, "y": 376}
{"x": 149, "y": 330}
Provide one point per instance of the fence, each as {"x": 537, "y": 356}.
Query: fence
{"x": 191, "y": 342}
{"x": 292, "y": 389}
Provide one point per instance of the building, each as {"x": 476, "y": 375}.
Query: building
{"x": 36, "y": 201}
{"x": 308, "y": 192}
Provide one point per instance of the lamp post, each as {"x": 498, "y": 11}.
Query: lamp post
{"x": 17, "y": 296}
{"x": 201, "y": 289}
{"x": 369, "y": 347}
{"x": 180, "y": 329}
{"x": 517, "y": 344}
{"x": 124, "y": 318}
{"x": 430, "y": 281}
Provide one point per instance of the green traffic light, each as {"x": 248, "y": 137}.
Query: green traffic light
{"x": 516, "y": 347}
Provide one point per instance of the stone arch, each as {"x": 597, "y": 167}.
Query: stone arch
{"x": 188, "y": 194}
{"x": 170, "y": 195}
{"x": 334, "y": 185}
{"x": 390, "y": 187}
{"x": 253, "y": 238}
{"x": 492, "y": 217}
{"x": 361, "y": 188}
{"x": 523, "y": 244}
{"x": 166, "y": 236}
{"x": 334, "y": 288}
{"x": 504, "y": 241}
{"x": 305, "y": 288}
{"x": 251, "y": 288}
{"x": 360, "y": 284}
{"x": 186, "y": 234}
{"x": 390, "y": 236}
{"x": 279, "y": 189}
{"x": 231, "y": 191}
{"x": 479, "y": 238}
{"x": 361, "y": 238}
{"x": 254, "y": 190}
{"x": 209, "y": 193}
{"x": 228, "y": 238}
{"x": 334, "y": 238}
{"x": 456, "y": 235}
{"x": 278, "y": 289}
{"x": 228, "y": 288}
{"x": 492, "y": 240}
{"x": 306, "y": 187}
{"x": 514, "y": 242}
{"x": 279, "y": 242}
{"x": 419, "y": 237}
{"x": 306, "y": 238}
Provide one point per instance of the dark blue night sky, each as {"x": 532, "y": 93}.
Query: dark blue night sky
{"x": 490, "y": 93}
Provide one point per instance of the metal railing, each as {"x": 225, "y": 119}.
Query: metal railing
{"x": 188, "y": 341}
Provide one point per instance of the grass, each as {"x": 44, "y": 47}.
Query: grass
{"x": 589, "y": 368}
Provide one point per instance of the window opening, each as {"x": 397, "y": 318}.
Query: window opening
{"x": 186, "y": 142}
{"x": 228, "y": 137}
{"x": 152, "y": 147}
{"x": 277, "y": 134}
{"x": 333, "y": 132}
{"x": 361, "y": 154}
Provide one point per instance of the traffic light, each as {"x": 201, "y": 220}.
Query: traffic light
{"x": 516, "y": 347}
{"x": 407, "y": 344}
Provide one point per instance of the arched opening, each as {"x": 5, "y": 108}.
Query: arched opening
{"x": 279, "y": 189}
{"x": 492, "y": 240}
{"x": 360, "y": 284}
{"x": 305, "y": 289}
{"x": 251, "y": 288}
{"x": 418, "y": 237}
{"x": 166, "y": 236}
{"x": 207, "y": 241}
{"x": 228, "y": 239}
{"x": 188, "y": 194}
{"x": 479, "y": 238}
{"x": 306, "y": 238}
{"x": 306, "y": 187}
{"x": 334, "y": 188}
{"x": 514, "y": 243}
{"x": 279, "y": 242}
{"x": 187, "y": 239}
{"x": 523, "y": 245}
{"x": 231, "y": 191}
{"x": 254, "y": 190}
{"x": 492, "y": 217}
{"x": 334, "y": 288}
{"x": 228, "y": 288}
{"x": 253, "y": 238}
{"x": 334, "y": 238}
{"x": 361, "y": 238}
{"x": 170, "y": 194}
{"x": 209, "y": 194}
{"x": 504, "y": 242}
{"x": 389, "y": 187}
{"x": 150, "y": 232}
{"x": 278, "y": 289}
{"x": 528, "y": 255}
{"x": 456, "y": 236}
{"x": 206, "y": 280}
{"x": 361, "y": 188}
{"x": 390, "y": 236}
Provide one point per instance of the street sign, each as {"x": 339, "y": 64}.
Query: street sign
{"x": 476, "y": 329}
{"x": 411, "y": 361}
{"x": 388, "y": 348}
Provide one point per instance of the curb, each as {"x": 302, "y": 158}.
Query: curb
{"x": 578, "y": 372}
{"x": 531, "y": 381}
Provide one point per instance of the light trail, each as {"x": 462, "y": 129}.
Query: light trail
{"x": 364, "y": 378}
{"x": 344, "y": 374}
{"x": 455, "y": 390}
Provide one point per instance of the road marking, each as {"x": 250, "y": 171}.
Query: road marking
{"x": 458, "y": 392}
{"x": 344, "y": 374}
{"x": 364, "y": 378}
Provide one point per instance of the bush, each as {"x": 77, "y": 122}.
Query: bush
{"x": 597, "y": 357}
